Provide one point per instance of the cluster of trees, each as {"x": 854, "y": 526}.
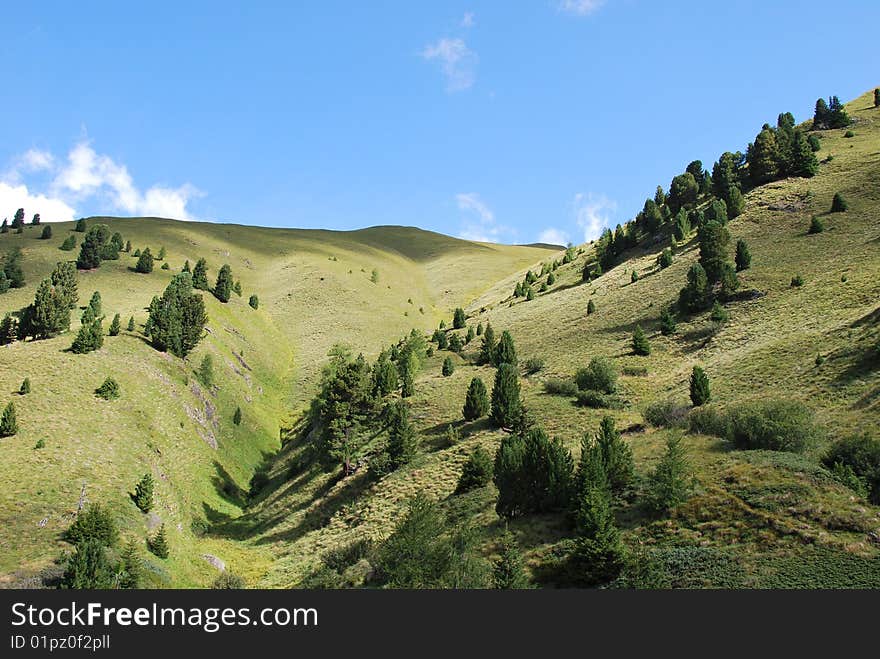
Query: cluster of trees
{"x": 98, "y": 245}
{"x": 18, "y": 222}
{"x": 832, "y": 114}
{"x": 713, "y": 276}
{"x": 525, "y": 287}
{"x": 11, "y": 273}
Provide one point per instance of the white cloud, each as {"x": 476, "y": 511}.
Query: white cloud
{"x": 553, "y": 236}
{"x": 84, "y": 176}
{"x": 457, "y": 62}
{"x": 592, "y": 213}
{"x": 580, "y": 7}
{"x": 15, "y": 196}
{"x": 481, "y": 225}
{"x": 467, "y": 20}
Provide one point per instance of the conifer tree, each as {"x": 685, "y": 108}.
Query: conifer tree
{"x": 455, "y": 344}
{"x": 96, "y": 304}
{"x": 699, "y": 387}
{"x": 487, "y": 351}
{"x": 4, "y": 227}
{"x": 162, "y": 253}
{"x": 505, "y": 353}
{"x": 719, "y": 314}
{"x": 839, "y": 204}
{"x": 254, "y": 302}
{"x": 764, "y": 158}
{"x": 25, "y": 387}
{"x": 88, "y": 315}
{"x": 63, "y": 278}
{"x": 667, "y": 321}
{"x": 115, "y": 326}
{"x": 131, "y": 324}
{"x": 200, "y": 275}
{"x": 89, "y": 338}
{"x": 409, "y": 367}
{"x": 634, "y": 277}
{"x": 236, "y": 417}
{"x": 616, "y": 455}
{"x": 186, "y": 267}
{"x": 508, "y": 570}
{"x": 132, "y": 567}
{"x": 158, "y": 544}
{"x": 470, "y": 335}
{"x": 46, "y": 234}
{"x": 223, "y": 287}
{"x": 8, "y": 421}
{"x": 816, "y": 225}
{"x": 13, "y": 270}
{"x": 177, "y": 320}
{"x": 128, "y": 246}
{"x": 136, "y": 253}
{"x": 205, "y": 372}
{"x": 92, "y": 248}
{"x": 877, "y": 98}
{"x": 385, "y": 378}
{"x": 459, "y": 319}
{"x": 591, "y": 308}
{"x": 476, "y": 402}
{"x": 49, "y": 314}
{"x": 803, "y": 159}
{"x": 736, "y": 203}
{"x": 598, "y": 554}
{"x": 442, "y": 340}
{"x": 479, "y": 329}
{"x": 80, "y": 225}
{"x": 505, "y": 396}
{"x": 402, "y": 438}
{"x": 530, "y": 294}
{"x": 88, "y": 568}
{"x": 448, "y": 367}
{"x": 665, "y": 259}
{"x": 143, "y": 493}
{"x": 8, "y": 329}
{"x": 670, "y": 483}
{"x": 640, "y": 344}
{"x": 145, "y": 262}
{"x": 743, "y": 257}
{"x": 236, "y": 288}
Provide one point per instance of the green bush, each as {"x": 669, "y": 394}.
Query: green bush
{"x": 561, "y": 387}
{"x": 861, "y": 454}
{"x": 477, "y": 471}
{"x": 816, "y": 225}
{"x": 448, "y": 367}
{"x": 594, "y": 399}
{"x": 666, "y": 414}
{"x": 599, "y": 375}
{"x": 707, "y": 420}
{"x": 533, "y": 365}
{"x": 849, "y": 134}
{"x": 254, "y": 302}
{"x": 839, "y": 204}
{"x": 797, "y": 281}
{"x": 109, "y": 390}
{"x": 776, "y": 425}
{"x": 25, "y": 387}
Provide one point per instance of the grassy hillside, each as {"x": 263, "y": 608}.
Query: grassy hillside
{"x": 315, "y": 290}
{"x": 757, "y": 518}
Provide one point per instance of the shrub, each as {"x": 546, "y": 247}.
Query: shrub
{"x": 665, "y": 259}
{"x": 561, "y": 387}
{"x": 815, "y": 144}
{"x": 775, "y": 425}
{"x": 143, "y": 493}
{"x": 508, "y": 572}
{"x": 109, "y": 390}
{"x": 666, "y": 414}
{"x": 254, "y": 302}
{"x": 816, "y": 225}
{"x": 448, "y": 367}
{"x": 599, "y": 375}
{"x": 165, "y": 266}
{"x": 477, "y": 471}
{"x": 594, "y": 399}
{"x": 838, "y": 203}
{"x": 706, "y": 420}
{"x": 699, "y": 387}
{"x": 719, "y": 314}
{"x": 93, "y": 523}
{"x": 533, "y": 365}
{"x": 861, "y": 455}
{"x": 228, "y": 581}
{"x": 849, "y": 133}
{"x": 158, "y": 544}
{"x": 797, "y": 281}
{"x": 634, "y": 277}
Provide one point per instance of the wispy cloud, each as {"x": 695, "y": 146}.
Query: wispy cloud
{"x": 480, "y": 224}
{"x": 592, "y": 213}
{"x": 467, "y": 20}
{"x": 87, "y": 176}
{"x": 580, "y": 7}
{"x": 553, "y": 236}
{"x": 457, "y": 62}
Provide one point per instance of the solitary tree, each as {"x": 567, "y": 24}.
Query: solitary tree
{"x": 236, "y": 417}
{"x": 158, "y": 544}
{"x": 145, "y": 262}
{"x": 205, "y": 373}
{"x": 254, "y": 302}
{"x": 200, "y": 275}
{"x": 591, "y": 308}
{"x": 8, "y": 421}
{"x": 131, "y": 324}
{"x": 743, "y": 257}
{"x": 640, "y": 344}
{"x": 223, "y": 287}
{"x": 115, "y": 326}
{"x": 506, "y": 403}
{"x": 476, "y": 402}
{"x": 839, "y": 204}
{"x": 508, "y": 570}
{"x": 505, "y": 353}
{"x": 699, "y": 387}
{"x": 448, "y": 367}
{"x": 402, "y": 437}
{"x": 670, "y": 483}
{"x": 667, "y": 321}
{"x": 143, "y": 493}
{"x": 47, "y": 232}
{"x": 459, "y": 319}
{"x": 25, "y": 387}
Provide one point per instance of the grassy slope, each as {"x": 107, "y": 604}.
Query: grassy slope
{"x": 264, "y": 360}
{"x": 769, "y": 507}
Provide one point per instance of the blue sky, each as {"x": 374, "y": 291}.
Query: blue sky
{"x": 503, "y": 121}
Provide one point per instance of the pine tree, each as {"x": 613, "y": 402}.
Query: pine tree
{"x": 145, "y": 262}
{"x": 88, "y": 568}
{"x": 254, "y": 302}
{"x": 96, "y": 304}
{"x": 714, "y": 241}
{"x": 131, "y": 324}
{"x": 640, "y": 343}
{"x": 479, "y": 329}
{"x": 162, "y": 253}
{"x": 128, "y": 246}
{"x": 505, "y": 396}
{"x": 136, "y": 253}
{"x": 186, "y": 267}
{"x": 13, "y": 270}
{"x": 115, "y": 326}
{"x": 699, "y": 386}
{"x": 236, "y": 417}
{"x": 223, "y": 287}
{"x": 736, "y": 203}
{"x": 877, "y": 98}
{"x": 816, "y": 225}
{"x": 68, "y": 244}
{"x": 839, "y": 204}
{"x": 402, "y": 438}
{"x": 143, "y": 493}
{"x": 667, "y": 321}
{"x": 719, "y": 314}
{"x": 665, "y": 259}
{"x": 455, "y": 344}
{"x": 89, "y": 338}
{"x": 743, "y": 257}
{"x": 616, "y": 455}
{"x": 8, "y": 421}
{"x": 803, "y": 159}
{"x": 591, "y": 308}
{"x": 92, "y": 249}
{"x": 598, "y": 554}
{"x": 8, "y": 330}
{"x": 634, "y": 277}
{"x": 487, "y": 351}
{"x": 670, "y": 483}
{"x": 508, "y": 570}
{"x": 459, "y": 319}
{"x": 764, "y": 158}
{"x": 236, "y": 288}
{"x": 132, "y": 567}
{"x": 200, "y": 275}
{"x": 476, "y": 402}
{"x": 109, "y": 389}
{"x": 205, "y": 372}
{"x": 530, "y": 294}
{"x": 46, "y": 234}
{"x": 158, "y": 544}
{"x": 80, "y": 225}
{"x": 385, "y": 378}
{"x": 505, "y": 353}
{"x": 551, "y": 279}
{"x": 470, "y": 335}
{"x": 476, "y": 472}
{"x": 49, "y": 314}
{"x": 4, "y": 227}
{"x": 63, "y": 278}
{"x": 409, "y": 367}
{"x": 448, "y": 367}
{"x": 177, "y": 321}
{"x": 442, "y": 339}
{"x": 25, "y": 387}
